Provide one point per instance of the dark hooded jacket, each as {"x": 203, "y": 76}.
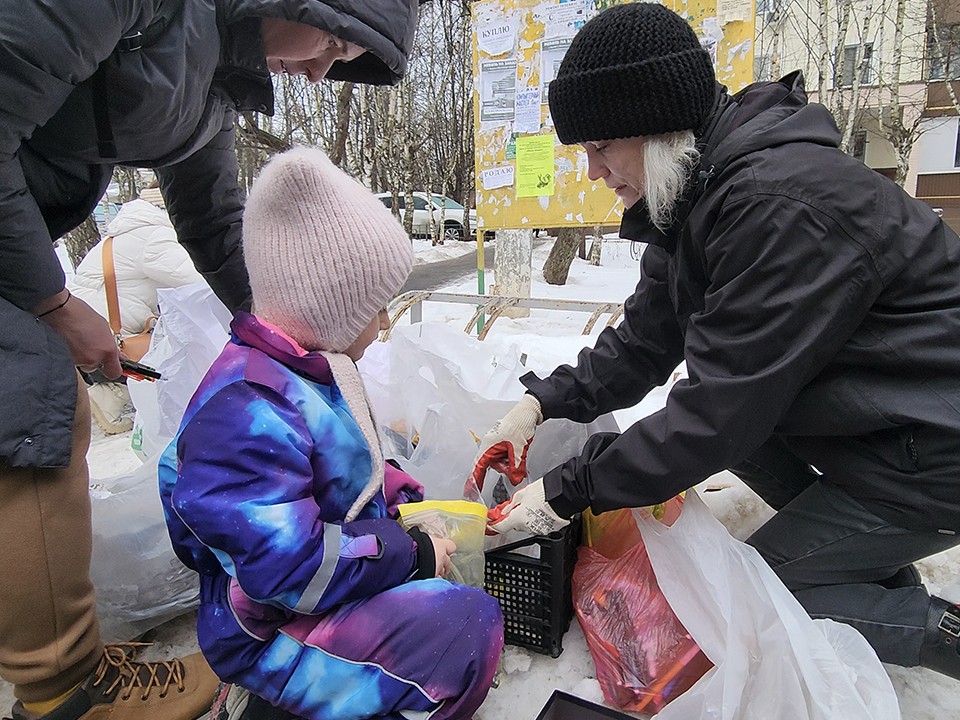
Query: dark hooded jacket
{"x": 169, "y": 106}
{"x": 814, "y": 302}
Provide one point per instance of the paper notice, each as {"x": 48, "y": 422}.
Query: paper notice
{"x": 733, "y": 10}
{"x": 497, "y": 177}
{"x": 565, "y": 19}
{"x": 527, "y": 117}
{"x": 535, "y": 165}
{"x": 498, "y": 89}
{"x": 497, "y": 38}
{"x": 551, "y": 55}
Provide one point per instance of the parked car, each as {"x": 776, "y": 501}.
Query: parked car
{"x": 447, "y": 213}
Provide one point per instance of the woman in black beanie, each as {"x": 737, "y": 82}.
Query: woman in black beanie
{"x": 817, "y": 308}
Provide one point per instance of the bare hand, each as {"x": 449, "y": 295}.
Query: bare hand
{"x": 442, "y": 550}
{"x": 91, "y": 342}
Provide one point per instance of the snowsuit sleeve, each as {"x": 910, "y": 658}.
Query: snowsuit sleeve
{"x": 778, "y": 268}
{"x": 626, "y": 362}
{"x": 40, "y": 65}
{"x": 202, "y": 195}
{"x": 249, "y": 476}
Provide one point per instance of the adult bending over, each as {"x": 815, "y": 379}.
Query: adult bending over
{"x": 86, "y": 85}
{"x": 817, "y": 307}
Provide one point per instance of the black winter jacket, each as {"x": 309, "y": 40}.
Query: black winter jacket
{"x": 171, "y": 107}
{"x": 812, "y": 299}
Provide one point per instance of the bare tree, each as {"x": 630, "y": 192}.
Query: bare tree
{"x": 79, "y": 240}
{"x": 943, "y": 21}
{"x": 564, "y": 250}
{"x": 128, "y": 182}
{"x": 900, "y": 122}
{"x": 338, "y": 150}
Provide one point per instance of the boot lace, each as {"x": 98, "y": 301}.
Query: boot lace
{"x": 128, "y": 674}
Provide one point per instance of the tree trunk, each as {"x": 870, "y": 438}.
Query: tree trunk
{"x": 127, "y": 180}
{"x": 512, "y": 267}
{"x": 595, "y": 247}
{"x": 557, "y": 266}
{"x": 338, "y": 150}
{"x": 79, "y": 240}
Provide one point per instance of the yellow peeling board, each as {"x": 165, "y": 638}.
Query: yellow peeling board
{"x": 517, "y": 48}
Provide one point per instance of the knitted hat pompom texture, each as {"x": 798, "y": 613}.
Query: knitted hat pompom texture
{"x": 323, "y": 254}
{"x": 634, "y": 69}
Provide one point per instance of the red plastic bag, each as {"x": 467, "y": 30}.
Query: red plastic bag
{"x": 643, "y": 654}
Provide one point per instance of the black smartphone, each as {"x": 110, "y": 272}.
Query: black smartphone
{"x": 138, "y": 371}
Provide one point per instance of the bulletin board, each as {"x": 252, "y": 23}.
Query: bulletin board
{"x": 524, "y": 177}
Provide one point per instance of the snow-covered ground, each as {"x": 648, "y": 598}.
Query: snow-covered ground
{"x": 425, "y": 252}
{"x": 526, "y": 679}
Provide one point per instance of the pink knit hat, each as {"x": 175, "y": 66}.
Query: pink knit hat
{"x": 323, "y": 254}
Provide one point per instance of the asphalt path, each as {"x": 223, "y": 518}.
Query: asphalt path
{"x": 435, "y": 275}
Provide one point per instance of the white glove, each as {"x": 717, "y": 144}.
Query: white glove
{"x": 505, "y": 447}
{"x": 528, "y": 510}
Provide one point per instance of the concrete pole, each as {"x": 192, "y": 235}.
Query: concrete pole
{"x": 512, "y": 265}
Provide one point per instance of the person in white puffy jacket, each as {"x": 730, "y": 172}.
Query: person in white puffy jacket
{"x": 146, "y": 257}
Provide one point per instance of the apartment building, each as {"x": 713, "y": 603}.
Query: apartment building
{"x": 889, "y": 71}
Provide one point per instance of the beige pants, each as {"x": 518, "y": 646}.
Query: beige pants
{"x": 49, "y": 636}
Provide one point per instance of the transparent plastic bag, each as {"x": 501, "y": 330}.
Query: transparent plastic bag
{"x": 458, "y": 520}
{"x": 436, "y": 391}
{"x": 139, "y": 580}
{"x": 643, "y": 654}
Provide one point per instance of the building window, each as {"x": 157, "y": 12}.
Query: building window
{"x": 943, "y": 53}
{"x": 850, "y": 54}
{"x": 859, "y": 150}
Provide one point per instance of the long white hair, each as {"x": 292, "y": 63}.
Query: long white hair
{"x": 668, "y": 161}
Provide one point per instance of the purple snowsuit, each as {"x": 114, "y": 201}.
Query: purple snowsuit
{"x": 313, "y": 613}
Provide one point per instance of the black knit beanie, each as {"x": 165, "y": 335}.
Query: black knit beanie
{"x": 634, "y": 69}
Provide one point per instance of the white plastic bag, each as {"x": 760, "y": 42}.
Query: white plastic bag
{"x": 771, "y": 660}
{"x": 436, "y": 391}
{"x": 139, "y": 580}
{"x": 193, "y": 328}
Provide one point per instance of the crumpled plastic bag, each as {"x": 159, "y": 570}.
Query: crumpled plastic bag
{"x": 643, "y": 654}
{"x": 770, "y": 659}
{"x": 436, "y": 391}
{"x": 139, "y": 580}
{"x": 192, "y": 330}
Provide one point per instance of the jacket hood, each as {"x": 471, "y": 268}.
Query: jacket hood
{"x": 385, "y": 28}
{"x": 761, "y": 116}
{"x": 250, "y": 330}
{"x": 137, "y": 214}
{"x": 764, "y": 115}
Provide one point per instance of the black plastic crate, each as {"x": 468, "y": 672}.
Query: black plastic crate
{"x": 534, "y": 592}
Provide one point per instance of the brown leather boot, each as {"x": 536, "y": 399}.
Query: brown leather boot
{"x": 122, "y": 688}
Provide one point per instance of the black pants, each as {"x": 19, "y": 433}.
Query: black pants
{"x": 832, "y": 553}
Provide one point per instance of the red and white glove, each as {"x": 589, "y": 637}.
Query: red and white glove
{"x": 505, "y": 447}
{"x": 528, "y": 510}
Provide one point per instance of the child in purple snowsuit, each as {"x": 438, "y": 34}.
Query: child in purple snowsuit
{"x": 312, "y": 597}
